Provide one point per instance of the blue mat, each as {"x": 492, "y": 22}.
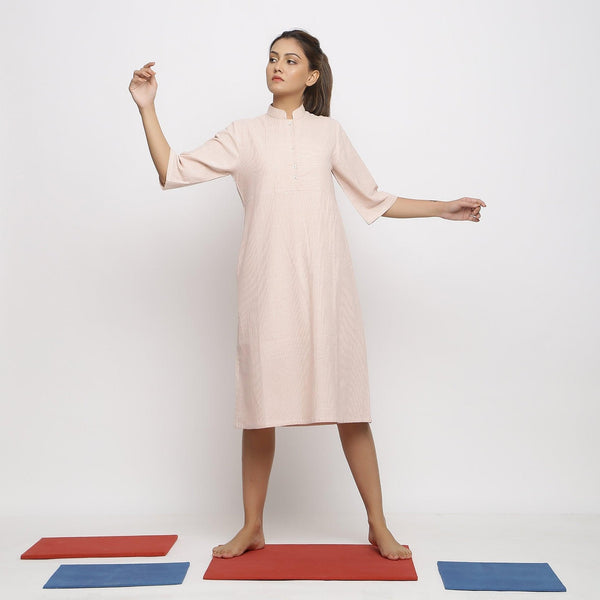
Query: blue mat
{"x": 117, "y": 575}
{"x": 498, "y": 576}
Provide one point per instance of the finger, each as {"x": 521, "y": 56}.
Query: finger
{"x": 468, "y": 202}
{"x": 146, "y": 69}
{"x": 473, "y": 201}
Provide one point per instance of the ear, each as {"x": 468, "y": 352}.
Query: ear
{"x": 314, "y": 76}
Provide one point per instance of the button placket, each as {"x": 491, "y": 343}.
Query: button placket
{"x": 293, "y": 150}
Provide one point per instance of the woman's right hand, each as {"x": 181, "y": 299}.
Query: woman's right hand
{"x": 143, "y": 86}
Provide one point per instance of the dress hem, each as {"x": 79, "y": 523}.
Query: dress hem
{"x": 287, "y": 423}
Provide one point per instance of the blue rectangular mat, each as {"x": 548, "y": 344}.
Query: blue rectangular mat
{"x": 498, "y": 576}
{"x": 117, "y": 575}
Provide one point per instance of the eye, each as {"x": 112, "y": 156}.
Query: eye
{"x": 289, "y": 59}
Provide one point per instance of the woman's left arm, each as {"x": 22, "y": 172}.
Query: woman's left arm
{"x": 463, "y": 209}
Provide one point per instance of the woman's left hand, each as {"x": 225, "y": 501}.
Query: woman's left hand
{"x": 463, "y": 209}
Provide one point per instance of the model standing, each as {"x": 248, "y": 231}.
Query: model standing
{"x": 301, "y": 354}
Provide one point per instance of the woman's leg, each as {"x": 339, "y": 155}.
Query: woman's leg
{"x": 258, "y": 450}
{"x": 359, "y": 449}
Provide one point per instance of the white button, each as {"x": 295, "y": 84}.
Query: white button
{"x": 294, "y": 165}
{"x": 295, "y": 177}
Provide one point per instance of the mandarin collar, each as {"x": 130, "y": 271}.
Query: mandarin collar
{"x": 279, "y": 113}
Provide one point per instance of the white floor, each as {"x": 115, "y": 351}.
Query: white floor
{"x": 569, "y": 543}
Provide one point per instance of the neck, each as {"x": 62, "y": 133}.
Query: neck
{"x": 287, "y": 104}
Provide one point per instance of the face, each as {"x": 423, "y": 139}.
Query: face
{"x": 288, "y": 61}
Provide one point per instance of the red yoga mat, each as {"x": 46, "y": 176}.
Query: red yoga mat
{"x": 312, "y": 561}
{"x": 100, "y": 546}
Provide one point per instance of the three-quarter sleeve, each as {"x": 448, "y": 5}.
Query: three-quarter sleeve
{"x": 216, "y": 157}
{"x": 355, "y": 179}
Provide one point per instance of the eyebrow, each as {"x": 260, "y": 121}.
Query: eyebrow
{"x": 286, "y": 54}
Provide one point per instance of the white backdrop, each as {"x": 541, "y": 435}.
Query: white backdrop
{"x": 118, "y": 299}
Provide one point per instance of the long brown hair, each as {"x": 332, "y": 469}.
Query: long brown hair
{"x": 317, "y": 97}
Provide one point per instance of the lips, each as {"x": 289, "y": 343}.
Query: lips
{"x": 276, "y": 78}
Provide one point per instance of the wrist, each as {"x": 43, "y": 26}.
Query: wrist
{"x": 438, "y": 207}
{"x": 147, "y": 109}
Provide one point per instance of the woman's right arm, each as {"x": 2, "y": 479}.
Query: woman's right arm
{"x": 159, "y": 148}
{"x": 143, "y": 88}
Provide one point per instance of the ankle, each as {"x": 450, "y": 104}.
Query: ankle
{"x": 377, "y": 522}
{"x": 255, "y": 524}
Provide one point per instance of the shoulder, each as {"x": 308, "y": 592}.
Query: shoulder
{"x": 245, "y": 127}
{"x": 324, "y": 126}
{"x": 323, "y": 120}
{"x": 237, "y": 125}
{"x": 241, "y": 124}
{"x": 245, "y": 122}
{"x": 249, "y": 122}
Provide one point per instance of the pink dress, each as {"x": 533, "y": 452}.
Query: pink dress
{"x": 301, "y": 353}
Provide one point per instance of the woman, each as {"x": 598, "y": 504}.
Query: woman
{"x": 301, "y": 356}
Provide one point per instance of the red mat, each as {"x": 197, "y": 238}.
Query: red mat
{"x": 101, "y": 546}
{"x": 312, "y": 561}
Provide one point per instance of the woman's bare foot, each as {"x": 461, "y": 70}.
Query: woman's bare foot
{"x": 381, "y": 537}
{"x": 247, "y": 538}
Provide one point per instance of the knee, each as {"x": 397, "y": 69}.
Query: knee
{"x": 353, "y": 427}
{"x": 263, "y": 433}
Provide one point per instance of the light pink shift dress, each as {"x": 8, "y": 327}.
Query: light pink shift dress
{"x": 301, "y": 353}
